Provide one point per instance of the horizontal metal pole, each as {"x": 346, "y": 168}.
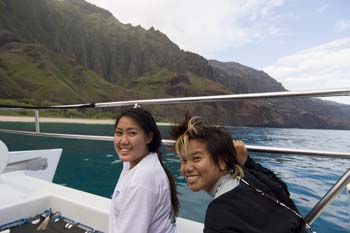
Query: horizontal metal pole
{"x": 57, "y": 135}
{"x": 167, "y": 142}
{"x": 328, "y": 197}
{"x": 69, "y": 106}
{"x": 212, "y": 98}
{"x": 215, "y": 98}
{"x": 284, "y": 150}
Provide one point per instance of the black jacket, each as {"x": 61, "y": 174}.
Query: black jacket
{"x": 244, "y": 210}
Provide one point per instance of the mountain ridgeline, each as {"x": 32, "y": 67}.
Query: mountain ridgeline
{"x": 70, "y": 51}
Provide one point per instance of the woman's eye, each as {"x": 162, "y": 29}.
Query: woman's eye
{"x": 196, "y": 158}
{"x": 118, "y": 133}
{"x": 132, "y": 133}
{"x": 183, "y": 161}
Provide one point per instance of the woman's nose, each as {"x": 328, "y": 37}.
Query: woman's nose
{"x": 124, "y": 139}
{"x": 186, "y": 167}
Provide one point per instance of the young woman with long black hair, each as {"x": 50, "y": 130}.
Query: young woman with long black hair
{"x": 145, "y": 198}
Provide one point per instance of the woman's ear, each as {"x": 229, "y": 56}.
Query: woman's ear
{"x": 149, "y": 137}
{"x": 222, "y": 165}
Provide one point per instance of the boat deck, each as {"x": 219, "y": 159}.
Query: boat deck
{"x": 24, "y": 196}
{"x": 57, "y": 227}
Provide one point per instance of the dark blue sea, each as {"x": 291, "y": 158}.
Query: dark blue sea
{"x": 93, "y": 166}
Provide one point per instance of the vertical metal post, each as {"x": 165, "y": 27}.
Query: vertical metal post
{"x": 348, "y": 195}
{"x": 328, "y": 197}
{"x": 37, "y": 123}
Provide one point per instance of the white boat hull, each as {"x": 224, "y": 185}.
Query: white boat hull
{"x": 22, "y": 195}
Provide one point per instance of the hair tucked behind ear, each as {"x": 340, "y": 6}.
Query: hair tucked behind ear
{"x": 146, "y": 121}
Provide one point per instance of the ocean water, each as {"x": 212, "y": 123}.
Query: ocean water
{"x": 93, "y": 166}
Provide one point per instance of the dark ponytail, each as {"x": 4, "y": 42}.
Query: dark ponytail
{"x": 173, "y": 193}
{"x": 148, "y": 124}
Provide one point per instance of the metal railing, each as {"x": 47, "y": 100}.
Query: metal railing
{"x": 328, "y": 197}
{"x": 216, "y": 98}
{"x": 311, "y": 216}
{"x": 196, "y": 99}
{"x": 167, "y": 142}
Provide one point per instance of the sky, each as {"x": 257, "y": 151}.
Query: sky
{"x": 305, "y": 45}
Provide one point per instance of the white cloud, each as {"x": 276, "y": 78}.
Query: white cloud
{"x": 322, "y": 8}
{"x": 323, "y": 67}
{"x": 342, "y": 26}
{"x": 202, "y": 26}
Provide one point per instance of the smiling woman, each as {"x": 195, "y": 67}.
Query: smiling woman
{"x": 208, "y": 162}
{"x": 200, "y": 173}
{"x": 131, "y": 141}
{"x": 145, "y": 191}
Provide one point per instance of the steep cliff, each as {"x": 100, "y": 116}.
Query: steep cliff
{"x": 71, "y": 52}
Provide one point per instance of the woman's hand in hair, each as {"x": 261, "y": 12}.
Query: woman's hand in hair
{"x": 241, "y": 152}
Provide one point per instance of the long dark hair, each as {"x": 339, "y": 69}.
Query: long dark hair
{"x": 148, "y": 124}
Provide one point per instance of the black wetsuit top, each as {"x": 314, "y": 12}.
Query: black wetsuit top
{"x": 246, "y": 211}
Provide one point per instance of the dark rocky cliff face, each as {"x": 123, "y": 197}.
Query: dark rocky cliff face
{"x": 283, "y": 112}
{"x": 72, "y": 51}
{"x": 243, "y": 79}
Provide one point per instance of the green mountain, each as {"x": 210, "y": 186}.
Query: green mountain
{"x": 30, "y": 70}
{"x": 92, "y": 36}
{"x": 70, "y": 51}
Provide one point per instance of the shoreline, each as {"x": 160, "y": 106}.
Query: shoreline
{"x": 63, "y": 120}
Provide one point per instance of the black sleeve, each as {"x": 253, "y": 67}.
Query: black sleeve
{"x": 243, "y": 210}
{"x": 275, "y": 185}
{"x": 252, "y": 165}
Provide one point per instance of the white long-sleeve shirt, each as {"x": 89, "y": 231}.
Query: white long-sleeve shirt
{"x": 141, "y": 200}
